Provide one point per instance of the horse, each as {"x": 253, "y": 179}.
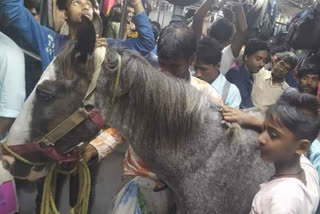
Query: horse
{"x": 172, "y": 126}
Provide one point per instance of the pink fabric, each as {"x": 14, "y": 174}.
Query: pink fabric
{"x": 8, "y": 198}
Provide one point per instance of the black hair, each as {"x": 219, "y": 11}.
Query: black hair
{"x": 255, "y": 45}
{"x": 156, "y": 29}
{"x": 176, "y": 41}
{"x": 64, "y": 4}
{"x": 298, "y": 112}
{"x": 289, "y": 58}
{"x": 310, "y": 66}
{"x": 115, "y": 13}
{"x": 209, "y": 51}
{"x": 221, "y": 30}
{"x": 29, "y": 4}
{"x": 278, "y": 49}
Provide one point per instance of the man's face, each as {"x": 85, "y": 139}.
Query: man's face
{"x": 130, "y": 14}
{"x": 177, "y": 67}
{"x": 280, "y": 69}
{"x": 77, "y": 8}
{"x": 277, "y": 143}
{"x": 205, "y": 72}
{"x": 308, "y": 83}
{"x": 255, "y": 62}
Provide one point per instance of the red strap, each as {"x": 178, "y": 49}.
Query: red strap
{"x": 96, "y": 117}
{"x": 49, "y": 151}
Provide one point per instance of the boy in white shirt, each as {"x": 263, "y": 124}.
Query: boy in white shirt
{"x": 289, "y": 128}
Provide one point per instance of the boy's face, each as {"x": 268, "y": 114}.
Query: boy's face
{"x": 256, "y": 61}
{"x": 77, "y": 8}
{"x": 280, "y": 69}
{"x": 308, "y": 83}
{"x": 277, "y": 143}
{"x": 206, "y": 72}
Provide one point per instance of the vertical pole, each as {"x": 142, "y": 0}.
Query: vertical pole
{"x": 163, "y": 14}
{"x": 160, "y": 2}
{"x": 124, "y": 15}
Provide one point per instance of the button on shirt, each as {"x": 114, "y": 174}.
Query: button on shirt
{"x": 264, "y": 92}
{"x": 233, "y": 98}
{"x": 243, "y": 80}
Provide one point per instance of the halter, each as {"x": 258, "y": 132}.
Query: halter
{"x": 46, "y": 144}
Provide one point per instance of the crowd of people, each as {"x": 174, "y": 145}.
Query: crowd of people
{"x": 221, "y": 61}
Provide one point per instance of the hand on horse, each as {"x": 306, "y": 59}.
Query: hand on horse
{"x": 101, "y": 42}
{"x": 89, "y": 153}
{"x": 234, "y": 115}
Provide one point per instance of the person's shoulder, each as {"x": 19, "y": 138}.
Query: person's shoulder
{"x": 9, "y": 49}
{"x": 206, "y": 88}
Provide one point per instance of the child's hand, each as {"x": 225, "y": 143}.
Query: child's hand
{"x": 233, "y": 115}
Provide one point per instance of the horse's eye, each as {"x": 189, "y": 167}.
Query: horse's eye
{"x": 44, "y": 95}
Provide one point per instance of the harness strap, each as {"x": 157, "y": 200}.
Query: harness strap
{"x": 225, "y": 91}
{"x": 98, "y": 60}
{"x": 65, "y": 127}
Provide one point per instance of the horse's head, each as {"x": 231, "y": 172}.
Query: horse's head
{"x": 58, "y": 95}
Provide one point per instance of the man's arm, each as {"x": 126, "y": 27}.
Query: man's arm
{"x": 240, "y": 37}
{"x": 21, "y": 19}
{"x": 197, "y": 24}
{"x": 145, "y": 41}
{"x": 103, "y": 145}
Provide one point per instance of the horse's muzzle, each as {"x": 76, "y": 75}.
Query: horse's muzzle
{"x": 21, "y": 170}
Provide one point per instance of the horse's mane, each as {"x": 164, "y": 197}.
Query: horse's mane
{"x": 168, "y": 108}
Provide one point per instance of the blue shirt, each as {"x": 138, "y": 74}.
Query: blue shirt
{"x": 47, "y": 43}
{"x": 233, "y": 97}
{"x": 12, "y": 78}
{"x": 315, "y": 159}
{"x": 243, "y": 80}
{"x": 315, "y": 155}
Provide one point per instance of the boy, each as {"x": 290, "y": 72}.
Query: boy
{"x": 288, "y": 130}
{"x": 207, "y": 67}
{"x": 47, "y": 43}
{"x": 255, "y": 57}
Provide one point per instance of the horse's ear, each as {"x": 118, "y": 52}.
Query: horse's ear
{"x": 86, "y": 39}
{"x": 97, "y": 23}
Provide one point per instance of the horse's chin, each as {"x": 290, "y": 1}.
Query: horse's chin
{"x": 35, "y": 175}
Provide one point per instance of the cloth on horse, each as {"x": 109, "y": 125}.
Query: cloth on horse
{"x": 138, "y": 197}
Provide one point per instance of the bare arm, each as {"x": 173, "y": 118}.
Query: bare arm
{"x": 242, "y": 118}
{"x": 240, "y": 37}
{"x": 5, "y": 124}
{"x": 197, "y": 24}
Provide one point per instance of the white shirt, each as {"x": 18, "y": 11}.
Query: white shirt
{"x": 12, "y": 79}
{"x": 289, "y": 195}
{"x": 226, "y": 60}
{"x": 264, "y": 92}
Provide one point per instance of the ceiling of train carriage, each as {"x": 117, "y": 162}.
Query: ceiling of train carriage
{"x": 292, "y": 7}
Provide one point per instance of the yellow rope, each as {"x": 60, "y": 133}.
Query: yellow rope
{"x": 48, "y": 203}
{"x": 20, "y": 158}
